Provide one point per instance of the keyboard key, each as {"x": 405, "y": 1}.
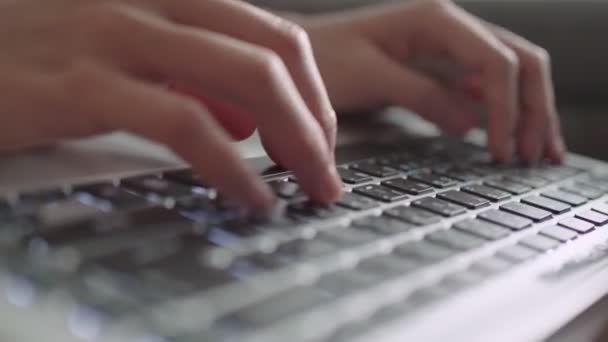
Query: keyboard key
{"x": 577, "y": 225}
{"x": 527, "y": 179}
{"x": 593, "y": 217}
{"x": 119, "y": 198}
{"x": 492, "y": 265}
{"x": 464, "y": 199}
{"x": 347, "y": 281}
{"x": 348, "y": 237}
{"x": 308, "y": 209}
{"x": 407, "y": 186}
{"x": 458, "y": 173}
{"x": 601, "y": 208}
{"x": 508, "y": 186}
{"x": 285, "y": 189}
{"x": 559, "y": 233}
{"x": 545, "y": 203}
{"x": 455, "y": 239}
{"x": 524, "y": 210}
{"x": 517, "y": 253}
{"x": 482, "y": 229}
{"x": 540, "y": 243}
{"x": 353, "y": 177}
{"x": 373, "y": 169}
{"x": 151, "y": 185}
{"x": 356, "y": 202}
{"x": 424, "y": 251}
{"x": 383, "y": 225}
{"x": 583, "y": 190}
{"x": 438, "y": 206}
{"x": 413, "y": 215}
{"x": 437, "y": 181}
{"x": 304, "y": 250}
{"x": 278, "y": 307}
{"x": 464, "y": 279}
{"x": 399, "y": 162}
{"x": 565, "y": 197}
{"x": 185, "y": 177}
{"x": 492, "y": 194}
{"x": 387, "y": 266}
{"x": 380, "y": 193}
{"x": 505, "y": 219}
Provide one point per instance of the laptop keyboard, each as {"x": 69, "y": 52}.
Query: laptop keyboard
{"x": 169, "y": 254}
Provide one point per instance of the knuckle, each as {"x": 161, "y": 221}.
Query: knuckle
{"x": 541, "y": 58}
{"x": 82, "y": 80}
{"x": 266, "y": 68}
{"x": 293, "y": 41}
{"x": 508, "y": 61}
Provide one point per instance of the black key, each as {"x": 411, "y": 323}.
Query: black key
{"x": 508, "y": 186}
{"x": 517, "y": 253}
{"x": 482, "y": 229}
{"x": 407, "y": 186}
{"x": 505, "y": 219}
{"x": 545, "y": 203}
{"x": 458, "y": 173}
{"x": 559, "y": 233}
{"x": 455, "y": 239}
{"x": 565, "y": 197}
{"x": 185, "y": 177}
{"x": 492, "y": 194}
{"x": 285, "y": 189}
{"x": 577, "y": 225}
{"x": 540, "y": 243}
{"x": 583, "y": 190}
{"x": 437, "y": 181}
{"x": 524, "y": 210}
{"x": 527, "y": 179}
{"x": 347, "y": 237}
{"x": 463, "y": 198}
{"x": 424, "y": 251}
{"x": 308, "y": 209}
{"x": 383, "y": 225}
{"x": 380, "y": 193}
{"x": 438, "y": 206}
{"x": 119, "y": 198}
{"x": 353, "y": 177}
{"x": 399, "y": 162}
{"x": 593, "y": 217}
{"x": 373, "y": 169}
{"x": 156, "y": 186}
{"x": 356, "y": 202}
{"x": 492, "y": 265}
{"x": 413, "y": 215}
{"x": 387, "y": 266}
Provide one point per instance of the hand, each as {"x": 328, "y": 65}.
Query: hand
{"x": 72, "y": 68}
{"x": 380, "y": 56}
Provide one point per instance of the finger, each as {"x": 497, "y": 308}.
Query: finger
{"x": 422, "y": 94}
{"x": 237, "y": 72}
{"x": 115, "y": 102}
{"x": 538, "y": 99}
{"x": 262, "y": 28}
{"x": 450, "y": 30}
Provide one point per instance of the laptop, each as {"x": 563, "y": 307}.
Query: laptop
{"x": 431, "y": 241}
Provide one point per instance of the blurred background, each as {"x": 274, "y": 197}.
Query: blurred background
{"x": 573, "y": 31}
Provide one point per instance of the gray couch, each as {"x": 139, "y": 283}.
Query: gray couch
{"x": 573, "y": 31}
